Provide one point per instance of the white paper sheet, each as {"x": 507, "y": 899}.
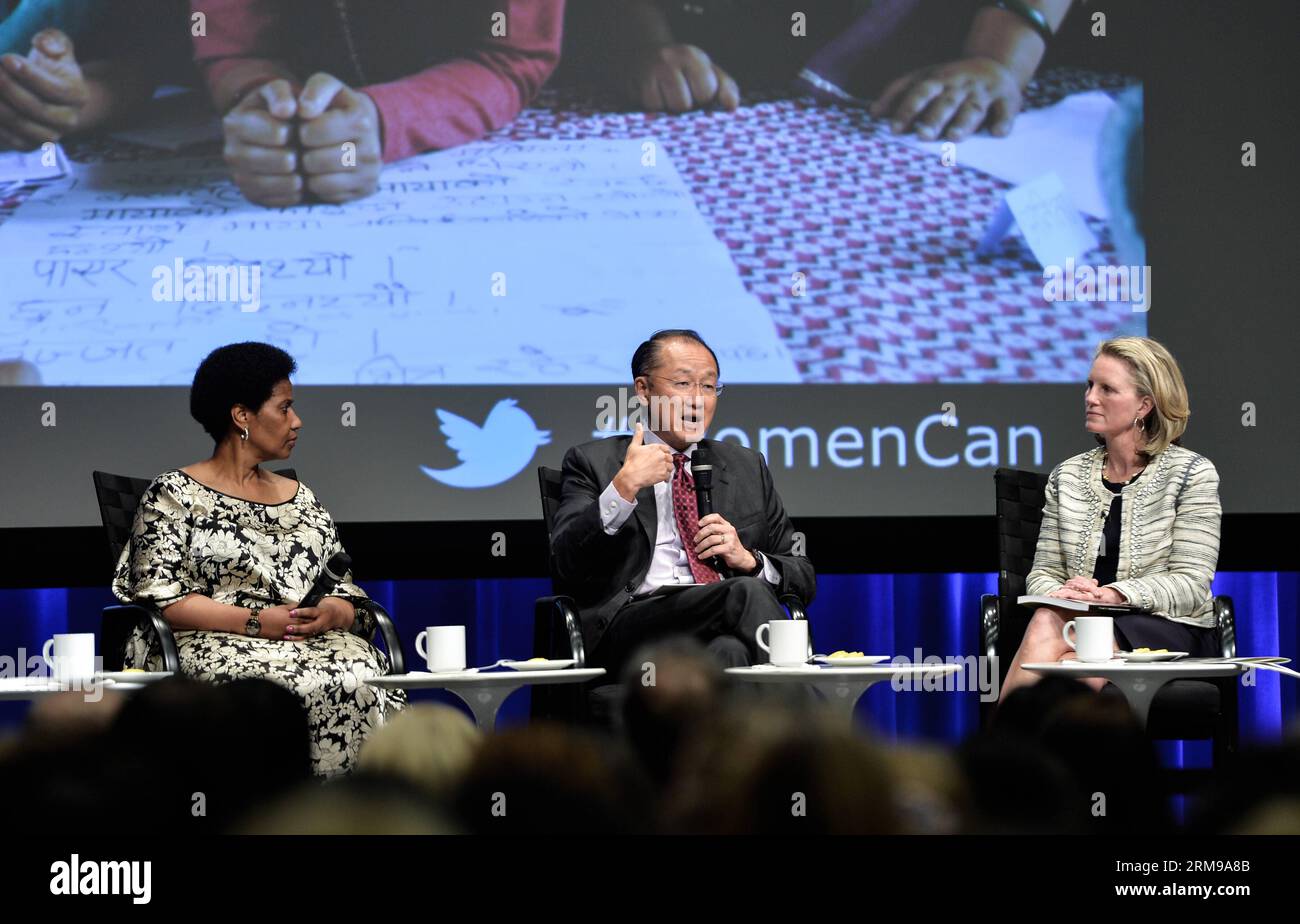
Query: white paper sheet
{"x": 498, "y": 262}
{"x": 1062, "y": 138}
{"x": 18, "y": 167}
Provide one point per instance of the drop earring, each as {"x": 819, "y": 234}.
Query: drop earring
{"x": 244, "y": 436}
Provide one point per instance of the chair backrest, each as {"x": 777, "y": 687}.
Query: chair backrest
{"x": 550, "y": 481}
{"x": 1020, "y": 499}
{"x": 118, "y": 497}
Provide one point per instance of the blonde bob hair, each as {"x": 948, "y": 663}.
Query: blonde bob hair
{"x": 1156, "y": 375}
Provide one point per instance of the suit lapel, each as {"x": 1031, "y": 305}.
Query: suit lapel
{"x": 721, "y": 483}
{"x": 645, "y": 511}
{"x": 647, "y": 514}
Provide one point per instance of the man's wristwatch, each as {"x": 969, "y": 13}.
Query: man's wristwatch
{"x": 253, "y": 627}
{"x": 758, "y": 564}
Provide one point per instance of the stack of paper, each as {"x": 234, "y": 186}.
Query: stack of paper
{"x": 41, "y": 165}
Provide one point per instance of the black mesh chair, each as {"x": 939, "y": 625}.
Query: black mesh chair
{"x": 1183, "y": 709}
{"x": 557, "y": 632}
{"x": 118, "y": 497}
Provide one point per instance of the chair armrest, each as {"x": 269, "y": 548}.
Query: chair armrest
{"x": 392, "y": 641}
{"x": 990, "y": 624}
{"x": 138, "y": 613}
{"x": 559, "y": 612}
{"x": 1226, "y": 621}
{"x": 794, "y": 603}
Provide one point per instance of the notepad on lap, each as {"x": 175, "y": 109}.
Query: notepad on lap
{"x": 1081, "y": 606}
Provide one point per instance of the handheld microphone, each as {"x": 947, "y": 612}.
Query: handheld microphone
{"x": 702, "y": 475}
{"x": 329, "y": 578}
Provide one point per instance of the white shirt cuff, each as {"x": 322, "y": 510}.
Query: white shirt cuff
{"x": 770, "y": 574}
{"x": 614, "y": 510}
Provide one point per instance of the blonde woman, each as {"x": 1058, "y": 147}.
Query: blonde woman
{"x": 1133, "y": 521}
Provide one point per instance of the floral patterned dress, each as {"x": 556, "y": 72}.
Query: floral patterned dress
{"x": 190, "y": 539}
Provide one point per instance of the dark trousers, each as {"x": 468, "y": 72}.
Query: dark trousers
{"x": 724, "y": 616}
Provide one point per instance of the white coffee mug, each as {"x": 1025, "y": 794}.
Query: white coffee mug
{"x": 789, "y": 638}
{"x": 71, "y": 656}
{"x": 445, "y": 648}
{"x": 1093, "y": 637}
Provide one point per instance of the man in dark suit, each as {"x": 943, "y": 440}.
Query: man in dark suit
{"x": 629, "y": 503}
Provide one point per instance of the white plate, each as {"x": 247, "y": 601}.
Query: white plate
{"x": 538, "y": 665}
{"x": 864, "y": 661}
{"x": 1144, "y": 656}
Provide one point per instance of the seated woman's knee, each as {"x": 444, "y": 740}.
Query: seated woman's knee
{"x": 1044, "y": 629}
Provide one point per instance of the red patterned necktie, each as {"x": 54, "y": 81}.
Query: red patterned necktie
{"x": 687, "y": 515}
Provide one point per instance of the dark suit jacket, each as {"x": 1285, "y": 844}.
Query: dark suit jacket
{"x": 602, "y": 572}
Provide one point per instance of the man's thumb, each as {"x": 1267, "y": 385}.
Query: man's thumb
{"x": 638, "y": 436}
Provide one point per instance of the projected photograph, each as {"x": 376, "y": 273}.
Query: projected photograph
{"x": 817, "y": 221}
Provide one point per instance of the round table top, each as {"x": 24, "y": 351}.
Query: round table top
{"x": 1119, "y": 668}
{"x": 32, "y": 688}
{"x": 417, "y": 680}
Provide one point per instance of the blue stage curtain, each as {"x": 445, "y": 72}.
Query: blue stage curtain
{"x": 896, "y": 614}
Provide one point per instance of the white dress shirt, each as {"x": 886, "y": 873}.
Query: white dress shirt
{"x": 668, "y": 563}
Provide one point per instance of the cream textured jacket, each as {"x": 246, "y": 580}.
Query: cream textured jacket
{"x": 1169, "y": 532}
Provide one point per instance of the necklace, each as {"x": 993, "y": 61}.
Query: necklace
{"x": 1105, "y": 464}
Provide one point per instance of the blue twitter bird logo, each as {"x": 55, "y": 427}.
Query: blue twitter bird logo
{"x": 492, "y": 453}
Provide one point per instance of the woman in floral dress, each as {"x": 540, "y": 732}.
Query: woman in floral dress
{"x": 225, "y": 550}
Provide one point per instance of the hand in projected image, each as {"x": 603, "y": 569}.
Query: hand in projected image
{"x": 339, "y": 130}
{"x": 42, "y": 96}
{"x": 679, "y": 78}
{"x": 260, "y": 145}
{"x": 952, "y": 101}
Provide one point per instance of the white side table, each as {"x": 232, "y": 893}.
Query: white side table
{"x": 842, "y": 687}
{"x": 34, "y": 688}
{"x": 1139, "y": 682}
{"x": 484, "y": 692}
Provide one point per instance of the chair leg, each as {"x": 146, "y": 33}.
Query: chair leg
{"x": 1225, "y": 729}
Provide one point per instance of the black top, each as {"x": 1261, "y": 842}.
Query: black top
{"x": 1107, "y": 568}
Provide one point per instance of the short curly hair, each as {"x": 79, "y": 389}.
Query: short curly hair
{"x": 238, "y": 373}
